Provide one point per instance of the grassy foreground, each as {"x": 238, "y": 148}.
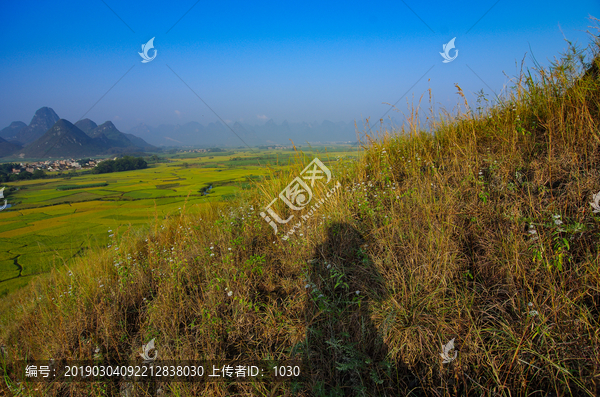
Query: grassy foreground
{"x": 481, "y": 232}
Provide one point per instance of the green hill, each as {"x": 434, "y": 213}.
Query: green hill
{"x": 12, "y": 130}
{"x": 477, "y": 230}
{"x": 115, "y": 137}
{"x": 43, "y": 119}
{"x": 7, "y": 148}
{"x": 63, "y": 140}
{"x": 86, "y": 125}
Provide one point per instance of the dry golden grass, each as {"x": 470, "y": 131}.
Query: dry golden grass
{"x": 481, "y": 231}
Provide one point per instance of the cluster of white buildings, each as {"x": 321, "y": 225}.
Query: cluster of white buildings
{"x": 195, "y": 151}
{"x": 56, "y": 165}
{"x": 278, "y": 147}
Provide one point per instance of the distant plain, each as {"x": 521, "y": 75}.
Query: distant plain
{"x": 46, "y": 227}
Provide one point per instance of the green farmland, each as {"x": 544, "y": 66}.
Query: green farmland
{"x": 49, "y": 225}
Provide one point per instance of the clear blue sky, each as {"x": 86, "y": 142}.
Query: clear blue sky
{"x": 252, "y": 61}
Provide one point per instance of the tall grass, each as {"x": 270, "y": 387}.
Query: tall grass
{"x": 478, "y": 230}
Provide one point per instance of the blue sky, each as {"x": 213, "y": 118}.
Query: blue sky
{"x": 252, "y": 61}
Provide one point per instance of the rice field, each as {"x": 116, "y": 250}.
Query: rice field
{"x": 47, "y": 227}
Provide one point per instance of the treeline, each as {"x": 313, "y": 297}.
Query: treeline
{"x": 71, "y": 187}
{"x": 125, "y": 163}
{"x": 6, "y": 174}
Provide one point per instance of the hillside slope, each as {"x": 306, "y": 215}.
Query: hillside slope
{"x": 480, "y": 232}
{"x": 63, "y": 139}
{"x": 12, "y": 130}
{"x": 43, "y": 119}
{"x": 7, "y": 148}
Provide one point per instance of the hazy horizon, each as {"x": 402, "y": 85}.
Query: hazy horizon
{"x": 255, "y": 62}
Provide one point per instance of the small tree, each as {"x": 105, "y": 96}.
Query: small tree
{"x": 38, "y": 174}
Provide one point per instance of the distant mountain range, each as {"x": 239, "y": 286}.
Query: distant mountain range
{"x": 270, "y": 133}
{"x": 48, "y": 136}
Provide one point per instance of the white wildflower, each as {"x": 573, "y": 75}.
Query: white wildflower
{"x": 596, "y": 204}
{"x": 532, "y": 231}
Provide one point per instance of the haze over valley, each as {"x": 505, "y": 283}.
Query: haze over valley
{"x": 48, "y": 136}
